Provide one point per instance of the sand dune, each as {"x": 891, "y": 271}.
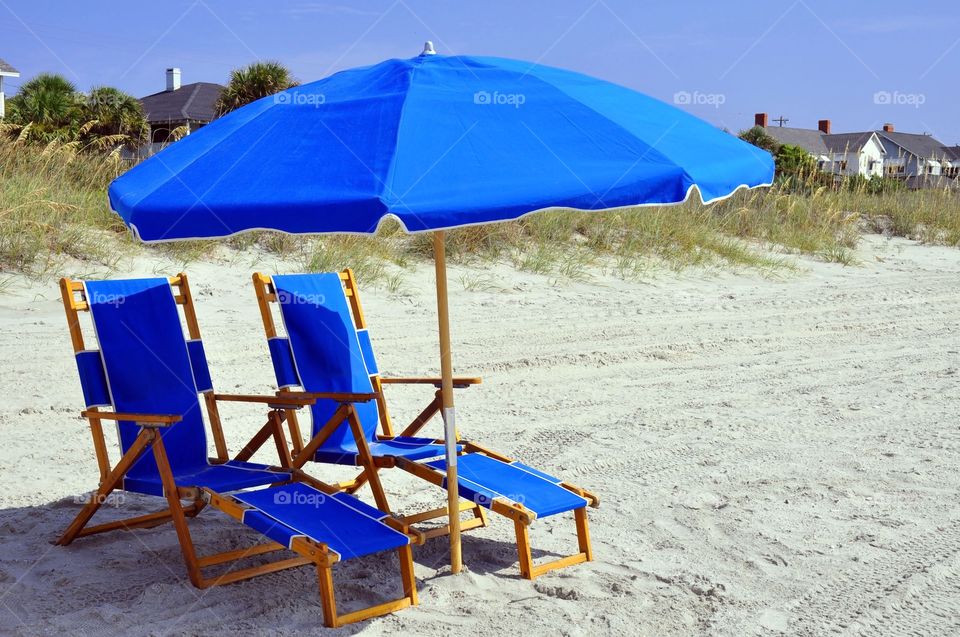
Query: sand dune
{"x": 772, "y": 456}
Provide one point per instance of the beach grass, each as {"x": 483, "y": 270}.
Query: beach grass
{"x": 53, "y": 208}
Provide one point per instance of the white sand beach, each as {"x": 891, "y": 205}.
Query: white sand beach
{"x": 773, "y": 456}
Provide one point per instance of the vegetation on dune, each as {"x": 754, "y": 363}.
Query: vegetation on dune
{"x": 49, "y": 109}
{"x": 53, "y": 206}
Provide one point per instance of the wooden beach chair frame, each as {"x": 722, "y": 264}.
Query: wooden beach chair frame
{"x": 280, "y": 407}
{"x": 521, "y": 516}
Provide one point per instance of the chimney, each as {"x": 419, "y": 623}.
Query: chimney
{"x": 824, "y": 126}
{"x": 761, "y": 119}
{"x": 173, "y": 79}
{"x": 888, "y": 128}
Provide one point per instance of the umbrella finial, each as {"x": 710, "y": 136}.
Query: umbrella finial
{"x": 428, "y": 48}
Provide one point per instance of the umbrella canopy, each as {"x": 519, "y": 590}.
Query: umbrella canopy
{"x": 437, "y": 142}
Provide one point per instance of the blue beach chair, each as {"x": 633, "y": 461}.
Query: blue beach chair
{"x": 327, "y": 348}
{"x": 147, "y": 378}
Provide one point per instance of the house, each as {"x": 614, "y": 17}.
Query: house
{"x": 952, "y": 168}
{"x": 912, "y": 155}
{"x": 190, "y": 106}
{"x": 5, "y": 71}
{"x": 855, "y": 154}
{"x": 843, "y": 154}
{"x": 811, "y": 140}
{"x": 920, "y": 160}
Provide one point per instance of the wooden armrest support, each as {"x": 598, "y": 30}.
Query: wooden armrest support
{"x": 150, "y": 419}
{"x": 284, "y": 399}
{"x": 340, "y": 397}
{"x": 416, "y": 536}
{"x": 459, "y": 382}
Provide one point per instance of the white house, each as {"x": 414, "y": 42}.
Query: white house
{"x": 855, "y": 154}
{"x": 920, "y": 160}
{"x": 5, "y": 71}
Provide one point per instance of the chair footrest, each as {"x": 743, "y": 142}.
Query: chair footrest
{"x": 483, "y": 479}
{"x": 347, "y": 526}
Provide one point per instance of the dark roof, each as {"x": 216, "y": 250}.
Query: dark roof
{"x": 811, "y": 140}
{"x": 847, "y": 142}
{"x": 6, "y": 68}
{"x": 952, "y": 152}
{"x": 195, "y": 101}
{"x": 923, "y": 146}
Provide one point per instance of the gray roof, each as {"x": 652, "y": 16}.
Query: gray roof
{"x": 196, "y": 102}
{"x": 6, "y": 68}
{"x": 847, "y": 142}
{"x": 952, "y": 152}
{"x": 811, "y": 140}
{"x": 924, "y": 146}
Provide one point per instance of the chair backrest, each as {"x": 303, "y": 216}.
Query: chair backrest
{"x": 323, "y": 351}
{"x": 143, "y": 364}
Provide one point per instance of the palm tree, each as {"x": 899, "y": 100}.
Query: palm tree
{"x": 253, "y": 82}
{"x": 114, "y": 118}
{"x": 50, "y": 103}
{"x": 760, "y": 138}
{"x": 49, "y": 108}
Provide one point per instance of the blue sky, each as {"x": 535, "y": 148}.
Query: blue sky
{"x": 859, "y": 64}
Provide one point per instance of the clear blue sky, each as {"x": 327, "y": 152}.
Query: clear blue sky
{"x": 806, "y": 59}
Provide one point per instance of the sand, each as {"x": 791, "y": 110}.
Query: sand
{"x": 772, "y": 456}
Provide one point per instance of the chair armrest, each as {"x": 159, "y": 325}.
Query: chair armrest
{"x": 156, "y": 420}
{"x": 459, "y": 382}
{"x": 340, "y": 397}
{"x": 284, "y": 400}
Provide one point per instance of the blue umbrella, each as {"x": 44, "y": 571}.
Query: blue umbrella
{"x": 435, "y": 142}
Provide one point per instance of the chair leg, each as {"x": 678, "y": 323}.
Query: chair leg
{"x": 405, "y": 553}
{"x": 328, "y": 598}
{"x": 530, "y": 571}
{"x": 366, "y": 459}
{"x": 523, "y": 549}
{"x": 283, "y": 451}
{"x": 583, "y": 533}
{"x": 176, "y": 513}
{"x": 139, "y": 445}
{"x": 296, "y": 438}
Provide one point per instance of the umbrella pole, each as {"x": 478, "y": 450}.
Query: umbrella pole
{"x": 446, "y": 390}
